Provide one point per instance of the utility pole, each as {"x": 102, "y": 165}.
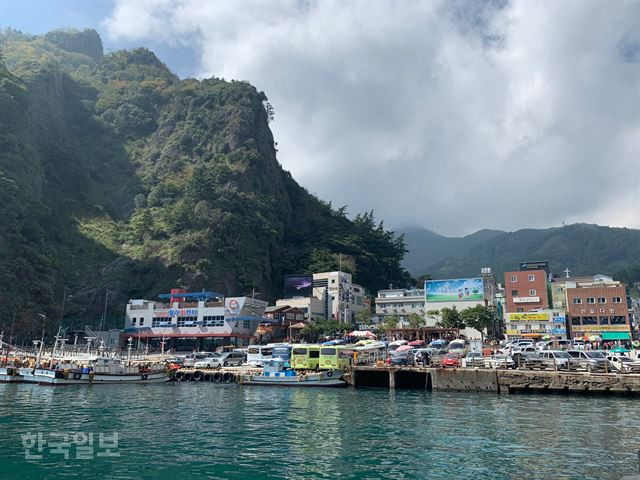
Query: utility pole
{"x": 104, "y": 313}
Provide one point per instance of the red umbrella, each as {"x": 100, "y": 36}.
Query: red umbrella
{"x": 416, "y": 343}
{"x": 403, "y": 348}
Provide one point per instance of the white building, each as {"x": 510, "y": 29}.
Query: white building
{"x": 194, "y": 318}
{"x": 400, "y": 303}
{"x": 343, "y": 299}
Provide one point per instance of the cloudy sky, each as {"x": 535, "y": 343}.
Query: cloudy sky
{"x": 450, "y": 115}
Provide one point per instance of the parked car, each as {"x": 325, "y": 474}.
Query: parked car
{"x": 192, "y": 358}
{"x": 515, "y": 345}
{"x": 623, "y": 364}
{"x": 528, "y": 360}
{"x": 590, "y": 361}
{"x": 175, "y": 361}
{"x": 451, "y": 360}
{"x": 559, "y": 360}
{"x": 499, "y": 361}
{"x": 209, "y": 362}
{"x": 473, "y": 359}
{"x": 227, "y": 359}
{"x": 402, "y": 358}
{"x": 556, "y": 345}
{"x": 456, "y": 346}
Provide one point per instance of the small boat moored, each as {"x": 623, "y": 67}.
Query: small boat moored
{"x": 275, "y": 374}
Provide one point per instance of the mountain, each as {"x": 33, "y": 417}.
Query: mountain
{"x": 584, "y": 249}
{"x": 117, "y": 176}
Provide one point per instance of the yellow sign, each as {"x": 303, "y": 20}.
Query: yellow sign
{"x": 529, "y": 317}
{"x": 512, "y": 332}
{"x": 600, "y": 328}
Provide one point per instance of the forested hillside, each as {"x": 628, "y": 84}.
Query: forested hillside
{"x": 584, "y": 249}
{"x": 117, "y": 175}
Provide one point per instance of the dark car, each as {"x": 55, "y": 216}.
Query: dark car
{"x": 528, "y": 360}
{"x": 402, "y": 358}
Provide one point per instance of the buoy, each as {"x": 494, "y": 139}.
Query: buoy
{"x": 217, "y": 377}
{"x": 197, "y": 376}
{"x": 206, "y": 377}
{"x": 187, "y": 377}
{"x": 178, "y": 375}
{"x": 228, "y": 377}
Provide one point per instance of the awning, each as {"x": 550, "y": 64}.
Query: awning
{"x": 615, "y": 336}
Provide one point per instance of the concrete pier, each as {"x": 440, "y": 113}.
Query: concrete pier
{"x": 490, "y": 380}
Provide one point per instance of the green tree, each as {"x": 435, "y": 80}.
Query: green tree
{"x": 416, "y": 321}
{"x": 478, "y": 317}
{"x": 433, "y": 314}
{"x": 451, "y": 318}
{"x": 388, "y": 323}
{"x": 363, "y": 317}
{"x": 421, "y": 279}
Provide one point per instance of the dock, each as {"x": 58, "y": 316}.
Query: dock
{"x": 502, "y": 381}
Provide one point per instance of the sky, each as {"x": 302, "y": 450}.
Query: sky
{"x": 452, "y": 115}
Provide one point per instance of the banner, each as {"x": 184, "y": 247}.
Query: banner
{"x": 455, "y": 290}
{"x": 528, "y": 317}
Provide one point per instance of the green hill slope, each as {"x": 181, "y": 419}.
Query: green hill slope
{"x": 116, "y": 174}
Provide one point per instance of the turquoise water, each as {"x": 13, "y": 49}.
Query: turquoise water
{"x": 191, "y": 430}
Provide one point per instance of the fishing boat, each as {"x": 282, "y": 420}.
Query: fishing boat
{"x": 8, "y": 374}
{"x": 99, "y": 370}
{"x": 275, "y": 374}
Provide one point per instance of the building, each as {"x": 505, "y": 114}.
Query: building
{"x": 194, "y": 320}
{"x": 559, "y": 286}
{"x": 343, "y": 299}
{"x": 459, "y": 293}
{"x": 536, "y": 324}
{"x": 598, "y": 310}
{"x": 281, "y": 318}
{"x": 312, "y": 308}
{"x": 526, "y": 290}
{"x": 400, "y": 303}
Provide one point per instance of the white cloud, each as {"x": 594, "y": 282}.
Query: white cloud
{"x": 453, "y": 116}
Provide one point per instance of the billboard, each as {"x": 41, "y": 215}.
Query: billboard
{"x": 455, "y": 290}
{"x": 524, "y": 266}
{"x": 298, "y": 286}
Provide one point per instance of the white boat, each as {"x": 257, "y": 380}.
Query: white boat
{"x": 99, "y": 371}
{"x": 274, "y": 374}
{"x": 8, "y": 374}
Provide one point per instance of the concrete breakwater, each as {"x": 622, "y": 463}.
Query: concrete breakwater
{"x": 489, "y": 380}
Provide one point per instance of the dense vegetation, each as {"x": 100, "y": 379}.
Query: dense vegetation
{"x": 584, "y": 249}
{"x": 117, "y": 175}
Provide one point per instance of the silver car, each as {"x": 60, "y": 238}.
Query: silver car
{"x": 227, "y": 359}
{"x": 591, "y": 361}
{"x": 559, "y": 360}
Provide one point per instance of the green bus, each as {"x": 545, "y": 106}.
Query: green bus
{"x": 335, "y": 358}
{"x": 305, "y": 357}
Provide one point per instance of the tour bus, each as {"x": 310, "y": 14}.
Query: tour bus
{"x": 281, "y": 351}
{"x": 257, "y": 354}
{"x": 335, "y": 358}
{"x": 305, "y": 357}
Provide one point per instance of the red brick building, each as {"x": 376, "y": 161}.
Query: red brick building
{"x": 599, "y": 310}
{"x": 526, "y": 290}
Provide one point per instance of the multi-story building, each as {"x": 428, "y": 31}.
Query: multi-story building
{"x": 400, "y": 303}
{"x": 526, "y": 290}
{"x": 194, "y": 320}
{"x": 559, "y": 286}
{"x": 343, "y": 299}
{"x": 536, "y": 324}
{"x": 598, "y": 310}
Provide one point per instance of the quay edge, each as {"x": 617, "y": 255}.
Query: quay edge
{"x": 490, "y": 380}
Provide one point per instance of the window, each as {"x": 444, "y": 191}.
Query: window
{"x": 247, "y": 324}
{"x": 618, "y": 320}
{"x": 531, "y": 277}
{"x": 532, "y": 292}
{"x": 133, "y": 321}
{"x": 616, "y": 300}
{"x": 589, "y": 321}
{"x": 602, "y": 310}
{"x": 160, "y": 321}
{"x": 141, "y": 321}
{"x": 213, "y": 321}
{"x": 602, "y": 300}
{"x": 591, "y": 300}
{"x": 604, "y": 320}
{"x": 577, "y": 301}
{"x": 575, "y": 320}
{"x": 514, "y": 293}
{"x": 559, "y": 289}
{"x": 514, "y": 278}
{"x": 520, "y": 309}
